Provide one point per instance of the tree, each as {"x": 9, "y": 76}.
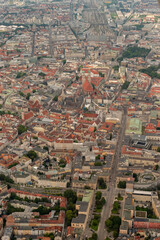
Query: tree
{"x": 113, "y": 223}
{"x": 125, "y": 85}
{"x": 135, "y": 177}
{"x": 50, "y": 235}
{"x": 64, "y": 61}
{"x": 26, "y": 199}
{"x": 101, "y": 74}
{"x": 109, "y": 223}
{"x": 4, "y": 222}
{"x": 6, "y": 178}
{"x": 110, "y": 136}
{"x": 102, "y": 184}
{"x": 98, "y": 195}
{"x": 122, "y": 184}
{"x": 116, "y": 207}
{"x": 35, "y": 137}
{"x": 87, "y": 187}
{"x": 135, "y": 51}
{"x": 70, "y": 195}
{"x": 46, "y": 148}
{"x": 42, "y": 210}
{"x": 150, "y": 212}
{"x": 32, "y": 155}
{"x": 100, "y": 201}
{"x": 116, "y": 68}
{"x": 12, "y": 196}
{"x": 55, "y": 99}
{"x": 148, "y": 237}
{"x": 21, "y": 129}
{"x": 2, "y": 113}
{"x": 11, "y": 209}
{"x": 12, "y": 165}
{"x": 120, "y": 198}
{"x": 28, "y": 96}
{"x": 115, "y": 234}
{"x": 103, "y": 201}
{"x": 71, "y": 206}
{"x": 97, "y": 164}
{"x": 42, "y": 74}
{"x": 62, "y": 163}
{"x": 156, "y": 167}
{"x": 95, "y": 222}
{"x": 94, "y": 236}
{"x": 151, "y": 71}
{"x": 69, "y": 216}
{"x": 98, "y": 157}
{"x": 20, "y": 74}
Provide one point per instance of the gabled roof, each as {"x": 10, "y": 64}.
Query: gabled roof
{"x": 150, "y": 127}
{"x": 87, "y": 87}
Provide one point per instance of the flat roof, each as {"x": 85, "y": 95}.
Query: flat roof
{"x": 138, "y": 192}
{"x": 87, "y": 196}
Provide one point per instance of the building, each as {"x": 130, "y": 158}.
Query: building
{"x": 134, "y": 126}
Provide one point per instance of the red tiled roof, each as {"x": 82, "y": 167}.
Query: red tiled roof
{"x": 87, "y": 86}
{"x": 28, "y": 115}
{"x": 70, "y": 230}
{"x": 90, "y": 115}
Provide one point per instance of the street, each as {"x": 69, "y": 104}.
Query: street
{"x": 110, "y": 195}
{"x": 33, "y": 44}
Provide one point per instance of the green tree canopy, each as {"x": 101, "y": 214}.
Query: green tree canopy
{"x": 32, "y": 154}
{"x": 151, "y": 71}
{"x": 94, "y": 236}
{"x": 135, "y": 51}
{"x": 122, "y": 184}
{"x": 113, "y": 223}
{"x": 98, "y": 195}
{"x": 21, "y": 129}
{"x": 70, "y": 195}
{"x": 102, "y": 184}
{"x": 69, "y": 216}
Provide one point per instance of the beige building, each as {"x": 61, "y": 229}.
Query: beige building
{"x": 91, "y": 183}
{"x": 41, "y": 152}
{"x": 79, "y": 222}
{"x": 142, "y": 161}
{"x": 21, "y": 178}
{"x": 63, "y": 144}
{"x": 83, "y": 208}
{"x": 124, "y": 228}
{"x": 156, "y": 206}
{"x": 51, "y": 183}
{"x": 142, "y": 196}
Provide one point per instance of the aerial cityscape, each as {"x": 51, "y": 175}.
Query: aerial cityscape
{"x": 79, "y": 119}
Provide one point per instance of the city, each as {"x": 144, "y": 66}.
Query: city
{"x": 79, "y": 119}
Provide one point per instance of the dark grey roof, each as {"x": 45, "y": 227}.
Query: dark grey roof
{"x": 83, "y": 207}
{"x": 79, "y": 219}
